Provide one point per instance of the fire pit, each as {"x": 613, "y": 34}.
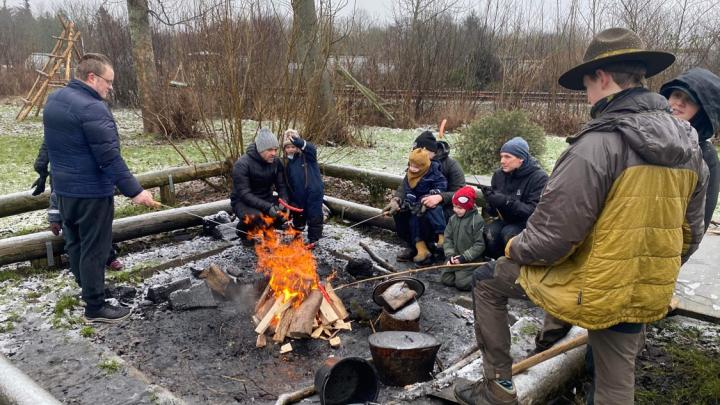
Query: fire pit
{"x": 295, "y": 303}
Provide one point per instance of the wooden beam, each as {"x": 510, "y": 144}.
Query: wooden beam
{"x": 24, "y": 201}
{"x": 27, "y": 247}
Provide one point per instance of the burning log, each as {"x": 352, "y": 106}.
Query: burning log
{"x": 327, "y": 313}
{"x": 302, "y": 323}
{"x": 295, "y": 303}
{"x": 278, "y": 308}
{"x": 320, "y": 315}
{"x": 283, "y": 325}
{"x": 336, "y": 302}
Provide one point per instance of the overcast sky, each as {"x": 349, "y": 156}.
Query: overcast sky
{"x": 380, "y": 9}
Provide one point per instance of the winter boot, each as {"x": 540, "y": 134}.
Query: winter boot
{"x": 486, "y": 392}
{"x": 406, "y": 254}
{"x": 422, "y": 252}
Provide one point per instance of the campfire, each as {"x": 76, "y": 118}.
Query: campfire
{"x": 295, "y": 303}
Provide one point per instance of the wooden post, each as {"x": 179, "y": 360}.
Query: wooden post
{"x": 167, "y": 192}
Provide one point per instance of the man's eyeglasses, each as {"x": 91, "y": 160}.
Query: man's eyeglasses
{"x": 109, "y": 82}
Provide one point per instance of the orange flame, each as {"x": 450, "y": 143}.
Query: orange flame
{"x": 291, "y": 267}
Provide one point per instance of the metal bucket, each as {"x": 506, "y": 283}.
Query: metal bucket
{"x": 346, "y": 380}
{"x": 403, "y": 358}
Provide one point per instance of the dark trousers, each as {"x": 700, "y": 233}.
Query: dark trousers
{"x": 87, "y": 230}
{"x": 497, "y": 235}
{"x": 711, "y": 159}
{"x": 251, "y": 218}
{"x": 402, "y": 228}
{"x": 432, "y": 222}
{"x": 312, "y": 215}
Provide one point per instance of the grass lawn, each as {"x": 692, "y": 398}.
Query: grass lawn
{"x": 387, "y": 148}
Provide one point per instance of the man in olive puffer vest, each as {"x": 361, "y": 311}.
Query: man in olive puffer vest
{"x": 622, "y": 210}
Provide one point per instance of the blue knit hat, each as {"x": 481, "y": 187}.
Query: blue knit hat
{"x": 265, "y": 140}
{"x": 517, "y": 147}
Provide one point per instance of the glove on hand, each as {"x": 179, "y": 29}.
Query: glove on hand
{"x": 275, "y": 210}
{"x": 55, "y": 228}
{"x": 39, "y": 185}
{"x": 392, "y": 208}
{"x": 496, "y": 199}
{"x": 485, "y": 190}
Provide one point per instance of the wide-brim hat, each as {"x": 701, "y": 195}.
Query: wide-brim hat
{"x": 615, "y": 45}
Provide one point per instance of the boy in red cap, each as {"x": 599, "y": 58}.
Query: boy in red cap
{"x": 464, "y": 240}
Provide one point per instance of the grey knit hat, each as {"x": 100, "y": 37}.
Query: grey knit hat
{"x": 265, "y": 140}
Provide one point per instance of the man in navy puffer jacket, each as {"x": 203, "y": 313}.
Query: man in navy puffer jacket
{"x": 84, "y": 150}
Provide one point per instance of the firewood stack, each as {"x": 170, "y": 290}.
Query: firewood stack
{"x": 321, "y": 315}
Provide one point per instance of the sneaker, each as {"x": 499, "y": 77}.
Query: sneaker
{"x": 406, "y": 255}
{"x": 107, "y": 314}
{"x": 486, "y": 392}
{"x": 115, "y": 265}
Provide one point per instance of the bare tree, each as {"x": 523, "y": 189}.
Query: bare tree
{"x": 143, "y": 60}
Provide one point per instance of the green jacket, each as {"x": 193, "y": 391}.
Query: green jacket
{"x": 464, "y": 236}
{"x": 622, "y": 210}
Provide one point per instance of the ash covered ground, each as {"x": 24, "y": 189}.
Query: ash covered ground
{"x": 208, "y": 355}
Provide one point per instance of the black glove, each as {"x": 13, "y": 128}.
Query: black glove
{"x": 274, "y": 210}
{"x": 39, "y": 185}
{"x": 496, "y": 200}
{"x": 486, "y": 190}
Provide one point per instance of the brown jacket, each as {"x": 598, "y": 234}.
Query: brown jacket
{"x": 622, "y": 209}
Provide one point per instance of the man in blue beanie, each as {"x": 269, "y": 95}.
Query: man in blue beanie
{"x": 514, "y": 193}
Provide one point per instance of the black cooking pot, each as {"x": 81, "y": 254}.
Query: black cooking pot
{"x": 403, "y": 358}
{"x": 345, "y": 381}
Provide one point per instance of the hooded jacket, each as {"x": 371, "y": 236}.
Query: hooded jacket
{"x": 453, "y": 172}
{"x": 522, "y": 188}
{"x": 303, "y": 177}
{"x": 83, "y": 145}
{"x": 464, "y": 236}
{"x": 705, "y": 86}
{"x": 621, "y": 211}
{"x": 253, "y": 181}
{"x": 432, "y": 182}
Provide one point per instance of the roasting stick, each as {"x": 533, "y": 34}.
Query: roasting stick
{"x": 201, "y": 217}
{"x": 442, "y": 266}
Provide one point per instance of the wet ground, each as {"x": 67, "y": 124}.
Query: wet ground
{"x": 209, "y": 355}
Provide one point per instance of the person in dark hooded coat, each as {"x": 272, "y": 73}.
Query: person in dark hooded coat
{"x": 513, "y": 195}
{"x": 305, "y": 184}
{"x": 439, "y": 152}
{"x": 694, "y": 96}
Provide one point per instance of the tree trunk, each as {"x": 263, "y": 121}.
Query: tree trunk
{"x": 143, "y": 59}
{"x": 321, "y": 117}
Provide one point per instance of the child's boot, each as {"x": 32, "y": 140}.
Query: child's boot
{"x": 422, "y": 252}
